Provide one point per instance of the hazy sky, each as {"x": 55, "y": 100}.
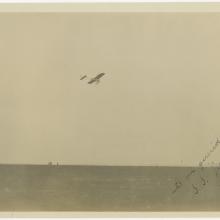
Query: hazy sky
{"x": 159, "y": 102}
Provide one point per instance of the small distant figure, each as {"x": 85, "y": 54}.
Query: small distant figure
{"x": 50, "y": 163}
{"x": 97, "y": 78}
{"x": 83, "y": 77}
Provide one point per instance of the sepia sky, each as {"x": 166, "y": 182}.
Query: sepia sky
{"x": 158, "y": 104}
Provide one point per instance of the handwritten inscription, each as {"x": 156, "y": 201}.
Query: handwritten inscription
{"x": 209, "y": 153}
{"x": 178, "y": 184}
{"x": 192, "y": 172}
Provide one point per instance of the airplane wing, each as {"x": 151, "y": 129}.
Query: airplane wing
{"x": 95, "y": 79}
{"x": 83, "y": 77}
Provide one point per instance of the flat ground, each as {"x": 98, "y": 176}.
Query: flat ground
{"x": 108, "y": 188}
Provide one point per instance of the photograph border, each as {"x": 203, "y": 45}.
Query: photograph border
{"x": 203, "y": 7}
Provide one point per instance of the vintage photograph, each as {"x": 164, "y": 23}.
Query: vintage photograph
{"x": 109, "y": 111}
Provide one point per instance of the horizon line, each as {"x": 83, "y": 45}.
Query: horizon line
{"x": 103, "y": 165}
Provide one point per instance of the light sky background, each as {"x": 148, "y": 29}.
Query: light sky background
{"x": 159, "y": 103}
